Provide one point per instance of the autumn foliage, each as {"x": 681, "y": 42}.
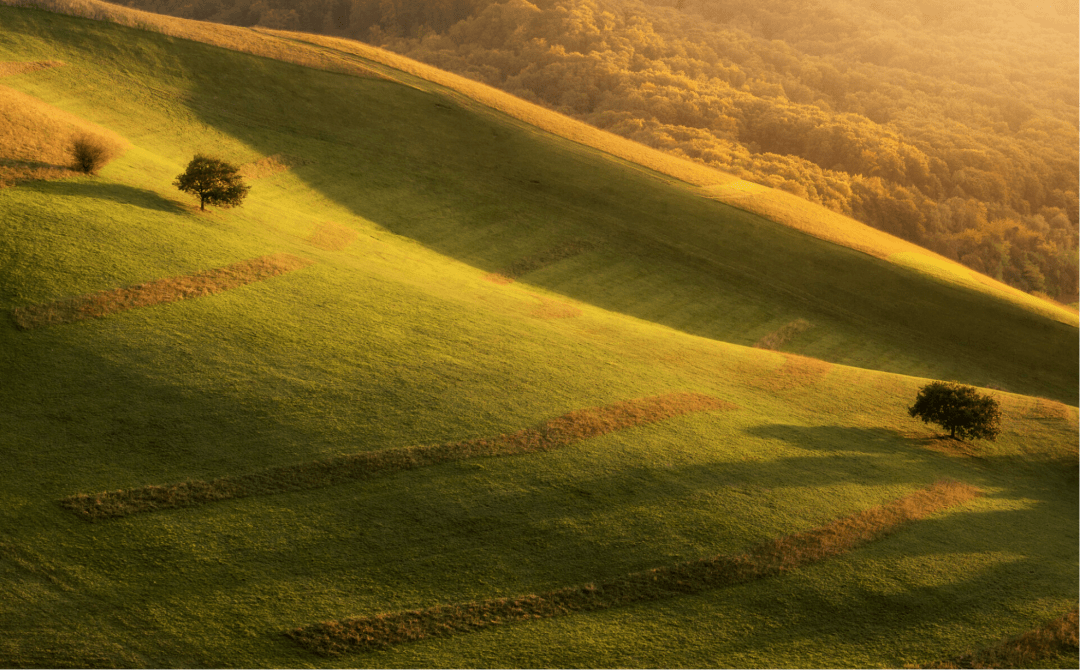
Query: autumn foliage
{"x": 951, "y": 125}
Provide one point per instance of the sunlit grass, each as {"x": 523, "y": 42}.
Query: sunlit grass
{"x": 392, "y": 338}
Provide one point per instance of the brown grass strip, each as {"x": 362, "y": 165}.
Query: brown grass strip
{"x": 332, "y": 237}
{"x": 170, "y": 289}
{"x": 780, "y": 337}
{"x": 553, "y": 434}
{"x": 271, "y": 165}
{"x": 765, "y": 560}
{"x": 9, "y": 68}
{"x": 1055, "y": 638}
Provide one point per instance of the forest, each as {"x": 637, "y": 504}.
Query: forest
{"x": 952, "y": 125}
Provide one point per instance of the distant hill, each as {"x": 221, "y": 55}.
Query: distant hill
{"x": 952, "y": 126}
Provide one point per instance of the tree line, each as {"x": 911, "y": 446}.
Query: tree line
{"x": 952, "y": 125}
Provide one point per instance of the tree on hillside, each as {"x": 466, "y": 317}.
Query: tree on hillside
{"x": 214, "y": 181}
{"x": 89, "y": 153}
{"x": 959, "y": 409}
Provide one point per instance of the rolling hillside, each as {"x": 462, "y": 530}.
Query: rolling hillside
{"x": 490, "y": 382}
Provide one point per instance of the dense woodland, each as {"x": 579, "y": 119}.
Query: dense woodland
{"x": 953, "y": 125}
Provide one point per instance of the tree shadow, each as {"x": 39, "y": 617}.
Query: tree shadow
{"x": 120, "y": 194}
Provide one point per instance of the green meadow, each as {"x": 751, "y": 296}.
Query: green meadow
{"x": 404, "y": 331}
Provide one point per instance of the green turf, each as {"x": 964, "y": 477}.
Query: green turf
{"x": 398, "y": 340}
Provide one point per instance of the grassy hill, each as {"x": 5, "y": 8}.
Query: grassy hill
{"x": 440, "y": 356}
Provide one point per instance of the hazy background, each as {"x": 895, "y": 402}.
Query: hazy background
{"x": 951, "y": 126}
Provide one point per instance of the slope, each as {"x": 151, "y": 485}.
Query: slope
{"x": 389, "y": 335}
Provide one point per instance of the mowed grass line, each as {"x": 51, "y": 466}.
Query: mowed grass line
{"x": 1055, "y": 638}
{"x": 528, "y": 264}
{"x": 169, "y": 289}
{"x": 9, "y": 68}
{"x": 765, "y": 560}
{"x": 552, "y": 434}
{"x": 781, "y": 335}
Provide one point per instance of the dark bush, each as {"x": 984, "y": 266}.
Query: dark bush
{"x": 89, "y": 153}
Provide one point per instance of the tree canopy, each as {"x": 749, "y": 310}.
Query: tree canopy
{"x": 214, "y": 181}
{"x": 961, "y": 410}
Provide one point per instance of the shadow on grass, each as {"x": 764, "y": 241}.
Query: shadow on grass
{"x": 920, "y": 440}
{"x": 938, "y": 581}
{"x": 120, "y": 194}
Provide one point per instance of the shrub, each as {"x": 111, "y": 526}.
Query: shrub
{"x": 89, "y": 153}
{"x": 962, "y": 410}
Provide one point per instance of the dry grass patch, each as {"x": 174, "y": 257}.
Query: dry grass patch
{"x": 1051, "y": 410}
{"x": 36, "y": 138}
{"x": 765, "y": 560}
{"x": 553, "y": 309}
{"x": 552, "y": 434}
{"x": 1053, "y": 639}
{"x": 9, "y": 68}
{"x": 779, "y": 337}
{"x": 796, "y": 372}
{"x": 332, "y": 237}
{"x": 170, "y": 289}
{"x": 271, "y": 165}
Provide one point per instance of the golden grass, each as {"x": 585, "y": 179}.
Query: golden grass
{"x": 780, "y": 337}
{"x": 170, "y": 289}
{"x": 1054, "y": 638}
{"x": 36, "y": 138}
{"x": 496, "y": 278}
{"x": 1050, "y": 409}
{"x": 235, "y": 38}
{"x": 765, "y": 560}
{"x": 332, "y": 237}
{"x": 796, "y": 372}
{"x": 533, "y": 114}
{"x": 339, "y": 55}
{"x": 553, "y": 309}
{"x": 947, "y": 445}
{"x": 9, "y": 68}
{"x": 270, "y": 165}
{"x": 552, "y": 434}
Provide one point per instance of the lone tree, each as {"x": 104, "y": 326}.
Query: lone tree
{"x": 89, "y": 153}
{"x": 214, "y": 181}
{"x": 961, "y": 410}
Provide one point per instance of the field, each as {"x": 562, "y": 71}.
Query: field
{"x": 446, "y": 363}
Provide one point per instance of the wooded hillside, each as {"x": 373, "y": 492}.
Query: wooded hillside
{"x": 953, "y": 126}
